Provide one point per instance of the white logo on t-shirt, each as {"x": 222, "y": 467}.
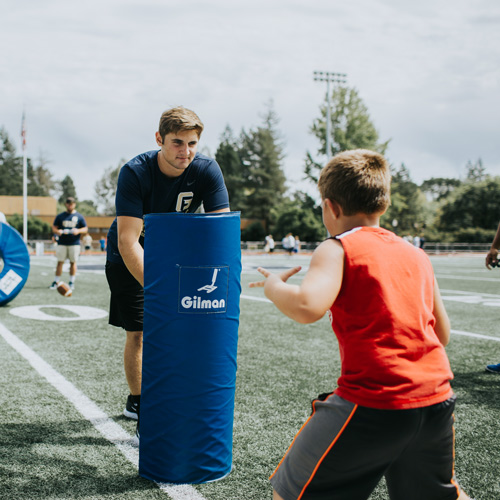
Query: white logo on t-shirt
{"x": 184, "y": 201}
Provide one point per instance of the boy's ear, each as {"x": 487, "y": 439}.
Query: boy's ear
{"x": 333, "y": 206}
{"x": 159, "y": 140}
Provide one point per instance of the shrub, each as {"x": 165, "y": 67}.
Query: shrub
{"x": 37, "y": 228}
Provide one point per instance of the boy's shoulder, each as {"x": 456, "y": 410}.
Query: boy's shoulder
{"x": 328, "y": 253}
{"x": 380, "y": 245}
{"x": 376, "y": 235}
{"x": 367, "y": 231}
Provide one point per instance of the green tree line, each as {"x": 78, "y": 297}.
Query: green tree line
{"x": 440, "y": 209}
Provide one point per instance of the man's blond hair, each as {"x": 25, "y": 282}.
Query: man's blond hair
{"x": 179, "y": 119}
{"x": 358, "y": 180}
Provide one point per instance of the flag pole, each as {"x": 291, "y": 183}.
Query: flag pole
{"x": 25, "y": 182}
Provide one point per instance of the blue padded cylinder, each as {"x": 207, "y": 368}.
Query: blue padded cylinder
{"x": 16, "y": 263}
{"x": 192, "y": 268}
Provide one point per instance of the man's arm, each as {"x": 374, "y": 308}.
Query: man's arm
{"x": 309, "y": 301}
{"x": 129, "y": 231}
{"x": 219, "y": 211}
{"x": 81, "y": 230}
{"x": 492, "y": 255}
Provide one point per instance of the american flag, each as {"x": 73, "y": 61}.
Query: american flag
{"x": 23, "y": 131}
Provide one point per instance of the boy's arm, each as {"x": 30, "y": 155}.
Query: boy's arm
{"x": 442, "y": 326}
{"x": 309, "y": 301}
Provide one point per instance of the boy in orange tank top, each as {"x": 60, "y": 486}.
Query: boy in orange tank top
{"x": 391, "y": 414}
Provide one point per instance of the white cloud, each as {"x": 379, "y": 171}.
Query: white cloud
{"x": 95, "y": 76}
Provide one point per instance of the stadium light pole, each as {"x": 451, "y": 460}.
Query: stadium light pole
{"x": 329, "y": 77}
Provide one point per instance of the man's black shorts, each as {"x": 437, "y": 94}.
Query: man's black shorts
{"x": 126, "y": 308}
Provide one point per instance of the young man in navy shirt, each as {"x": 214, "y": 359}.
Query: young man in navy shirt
{"x": 174, "y": 178}
{"x": 68, "y": 226}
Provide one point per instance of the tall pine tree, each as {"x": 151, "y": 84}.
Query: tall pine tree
{"x": 67, "y": 189}
{"x": 261, "y": 154}
{"x": 351, "y": 128}
{"x": 227, "y": 156}
{"x": 11, "y": 167}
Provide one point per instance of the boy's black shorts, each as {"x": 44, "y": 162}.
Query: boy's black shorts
{"x": 126, "y": 307}
{"x": 343, "y": 450}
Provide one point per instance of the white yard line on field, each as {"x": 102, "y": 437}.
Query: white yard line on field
{"x": 90, "y": 411}
{"x": 465, "y": 278}
{"x": 258, "y": 299}
{"x": 475, "y": 335}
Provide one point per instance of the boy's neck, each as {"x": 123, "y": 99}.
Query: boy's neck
{"x": 348, "y": 222}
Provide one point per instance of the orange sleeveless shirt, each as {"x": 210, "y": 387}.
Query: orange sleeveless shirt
{"x": 383, "y": 319}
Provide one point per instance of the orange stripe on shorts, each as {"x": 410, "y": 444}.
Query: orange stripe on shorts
{"x": 327, "y": 451}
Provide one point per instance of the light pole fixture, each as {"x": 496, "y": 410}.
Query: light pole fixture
{"x": 329, "y": 77}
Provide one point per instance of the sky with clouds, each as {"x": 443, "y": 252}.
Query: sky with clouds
{"x": 95, "y": 76}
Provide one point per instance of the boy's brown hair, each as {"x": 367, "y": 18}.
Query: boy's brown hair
{"x": 358, "y": 180}
{"x": 179, "y": 119}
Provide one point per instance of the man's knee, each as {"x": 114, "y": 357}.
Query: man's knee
{"x": 134, "y": 337}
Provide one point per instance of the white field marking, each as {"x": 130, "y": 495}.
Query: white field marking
{"x": 464, "y": 278}
{"x": 258, "y": 299}
{"x": 83, "y": 313}
{"x": 457, "y": 332}
{"x": 91, "y": 412}
{"x": 460, "y": 292}
{"x": 485, "y": 299}
{"x": 475, "y": 335}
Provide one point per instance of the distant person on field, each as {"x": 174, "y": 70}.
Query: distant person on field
{"x": 392, "y": 411}
{"x": 269, "y": 246}
{"x": 173, "y": 178}
{"x": 422, "y": 242}
{"x": 296, "y": 245}
{"x": 102, "y": 242}
{"x": 87, "y": 242}
{"x": 288, "y": 243}
{"x": 67, "y": 227}
{"x": 492, "y": 261}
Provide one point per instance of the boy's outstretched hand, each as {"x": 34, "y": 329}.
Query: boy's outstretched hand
{"x": 309, "y": 301}
{"x": 283, "y": 276}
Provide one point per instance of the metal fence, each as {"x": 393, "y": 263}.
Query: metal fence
{"x": 439, "y": 248}
{"x": 430, "y": 247}
{"x": 41, "y": 247}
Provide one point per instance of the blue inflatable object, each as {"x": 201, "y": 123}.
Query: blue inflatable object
{"x": 192, "y": 268}
{"x": 16, "y": 263}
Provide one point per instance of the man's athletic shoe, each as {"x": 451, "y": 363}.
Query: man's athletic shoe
{"x": 53, "y": 286}
{"x": 71, "y": 285}
{"x": 132, "y": 408}
{"x": 493, "y": 368}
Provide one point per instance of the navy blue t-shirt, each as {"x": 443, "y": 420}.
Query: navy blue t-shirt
{"x": 144, "y": 189}
{"x": 67, "y": 222}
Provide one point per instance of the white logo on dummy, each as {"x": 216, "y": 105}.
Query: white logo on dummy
{"x": 203, "y": 290}
{"x": 210, "y": 288}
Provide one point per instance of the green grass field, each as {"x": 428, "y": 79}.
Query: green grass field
{"x": 51, "y": 367}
